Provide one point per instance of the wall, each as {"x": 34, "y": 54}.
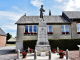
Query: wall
{"x": 2, "y": 40}
{"x": 21, "y": 36}
{"x": 57, "y": 33}
{"x": 19, "y": 40}
{"x": 74, "y": 30}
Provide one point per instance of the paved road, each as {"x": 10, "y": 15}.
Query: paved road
{"x": 7, "y": 49}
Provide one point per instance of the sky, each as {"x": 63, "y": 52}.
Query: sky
{"x": 12, "y": 10}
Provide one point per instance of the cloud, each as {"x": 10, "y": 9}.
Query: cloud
{"x": 10, "y": 28}
{"x": 10, "y": 15}
{"x": 18, "y": 9}
{"x": 59, "y": 0}
{"x": 13, "y": 34}
{"x": 37, "y": 3}
{"x": 15, "y": 7}
{"x": 72, "y": 5}
{"x": 8, "y": 19}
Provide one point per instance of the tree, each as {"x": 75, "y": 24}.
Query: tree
{"x": 8, "y": 36}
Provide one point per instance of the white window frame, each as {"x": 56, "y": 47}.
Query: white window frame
{"x": 48, "y": 28}
{"x": 65, "y": 28}
{"x": 28, "y": 28}
{"x": 32, "y": 28}
{"x": 77, "y": 27}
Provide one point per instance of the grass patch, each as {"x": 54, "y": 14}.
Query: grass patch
{"x": 10, "y": 44}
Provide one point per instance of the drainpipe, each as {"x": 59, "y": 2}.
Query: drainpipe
{"x": 71, "y": 30}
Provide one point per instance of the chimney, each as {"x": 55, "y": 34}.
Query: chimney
{"x": 25, "y": 14}
{"x": 49, "y": 12}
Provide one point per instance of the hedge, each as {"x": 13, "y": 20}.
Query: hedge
{"x": 63, "y": 44}
{"x": 10, "y": 42}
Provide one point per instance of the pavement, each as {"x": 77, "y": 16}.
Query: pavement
{"x": 73, "y": 55}
{"x": 5, "y": 55}
{"x": 7, "y": 49}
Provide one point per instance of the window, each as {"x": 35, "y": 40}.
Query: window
{"x": 35, "y": 28}
{"x": 64, "y": 29}
{"x": 30, "y": 29}
{"x": 78, "y": 28}
{"x": 26, "y": 29}
{"x": 49, "y": 29}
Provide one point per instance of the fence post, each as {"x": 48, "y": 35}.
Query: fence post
{"x": 35, "y": 54}
{"x": 49, "y": 54}
{"x": 67, "y": 54}
{"x": 18, "y": 54}
{"x": 57, "y": 49}
{"x": 28, "y": 50}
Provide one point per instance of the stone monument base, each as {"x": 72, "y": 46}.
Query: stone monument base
{"x": 42, "y": 48}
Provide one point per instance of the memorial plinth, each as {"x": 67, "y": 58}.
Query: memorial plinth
{"x": 42, "y": 44}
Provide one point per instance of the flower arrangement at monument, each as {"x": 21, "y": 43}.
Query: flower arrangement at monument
{"x": 54, "y": 50}
{"x": 61, "y": 53}
{"x": 24, "y": 53}
{"x": 31, "y": 50}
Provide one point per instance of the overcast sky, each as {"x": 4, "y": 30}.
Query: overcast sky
{"x": 12, "y": 10}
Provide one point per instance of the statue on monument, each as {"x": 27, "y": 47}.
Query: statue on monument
{"x": 41, "y": 11}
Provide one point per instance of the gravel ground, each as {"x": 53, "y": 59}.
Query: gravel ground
{"x": 73, "y": 55}
{"x": 8, "y": 56}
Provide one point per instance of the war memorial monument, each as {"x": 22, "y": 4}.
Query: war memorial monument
{"x": 42, "y": 45}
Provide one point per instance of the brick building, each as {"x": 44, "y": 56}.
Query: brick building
{"x": 63, "y": 26}
{"x": 2, "y": 38}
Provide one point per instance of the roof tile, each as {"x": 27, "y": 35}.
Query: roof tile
{"x": 72, "y": 14}
{"x": 37, "y": 19}
{"x": 2, "y": 32}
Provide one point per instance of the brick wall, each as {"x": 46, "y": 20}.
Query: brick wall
{"x": 2, "y": 40}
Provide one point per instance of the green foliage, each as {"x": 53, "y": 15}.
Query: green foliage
{"x": 63, "y": 44}
{"x": 29, "y": 43}
{"x": 61, "y": 53}
{"x": 8, "y": 36}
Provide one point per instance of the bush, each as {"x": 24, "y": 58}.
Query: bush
{"x": 29, "y": 43}
{"x": 63, "y": 44}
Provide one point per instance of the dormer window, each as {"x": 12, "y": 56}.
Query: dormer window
{"x": 64, "y": 29}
